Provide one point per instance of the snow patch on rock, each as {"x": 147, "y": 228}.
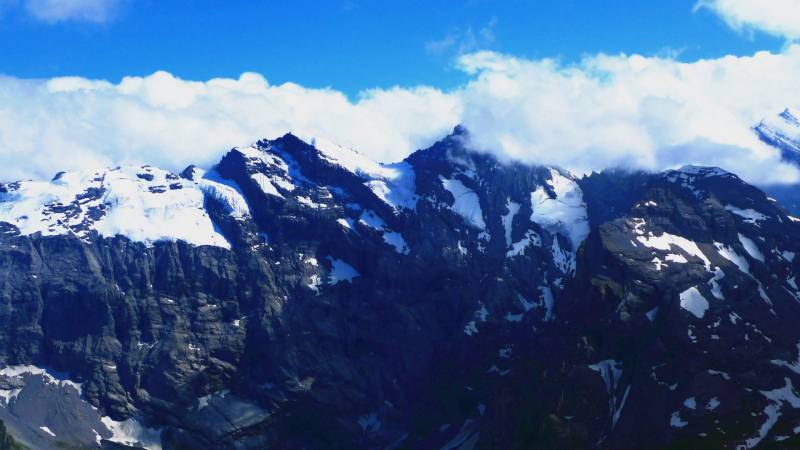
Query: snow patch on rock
{"x": 730, "y": 254}
{"x": 131, "y": 432}
{"x": 397, "y": 241}
{"x": 466, "y": 203}
{"x": 265, "y": 184}
{"x": 565, "y": 213}
{"x": 749, "y": 215}
{"x": 508, "y": 218}
{"x": 713, "y": 283}
{"x": 694, "y": 302}
{"x": 778, "y": 398}
{"x": 665, "y": 241}
{"x": 518, "y": 248}
{"x": 369, "y": 219}
{"x": 341, "y": 271}
{"x": 675, "y": 420}
{"x": 611, "y": 371}
{"x": 224, "y": 191}
{"x": 49, "y": 376}
{"x": 751, "y": 248}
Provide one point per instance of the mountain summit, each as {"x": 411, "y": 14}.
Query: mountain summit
{"x": 299, "y": 295}
{"x": 783, "y": 133}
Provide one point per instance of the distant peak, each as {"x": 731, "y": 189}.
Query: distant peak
{"x": 703, "y": 171}
{"x": 460, "y": 130}
{"x": 288, "y": 137}
{"x": 789, "y": 117}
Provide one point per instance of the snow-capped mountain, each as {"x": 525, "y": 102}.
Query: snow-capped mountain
{"x": 145, "y": 204}
{"x": 299, "y": 295}
{"x": 782, "y": 132}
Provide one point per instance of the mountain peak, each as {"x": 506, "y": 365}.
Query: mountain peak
{"x": 783, "y": 133}
{"x": 789, "y": 117}
{"x": 460, "y": 130}
{"x": 704, "y": 171}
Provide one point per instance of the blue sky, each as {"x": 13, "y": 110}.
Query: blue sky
{"x": 350, "y": 45}
{"x": 583, "y": 85}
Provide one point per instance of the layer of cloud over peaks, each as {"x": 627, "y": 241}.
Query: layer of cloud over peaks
{"x": 74, "y": 123}
{"x": 606, "y": 111}
{"x": 631, "y": 111}
{"x": 776, "y": 17}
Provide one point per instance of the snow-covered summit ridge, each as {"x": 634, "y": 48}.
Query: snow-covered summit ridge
{"x": 687, "y": 176}
{"x": 393, "y": 183}
{"x": 702, "y": 171}
{"x": 147, "y": 204}
{"x": 783, "y": 132}
{"x": 144, "y": 203}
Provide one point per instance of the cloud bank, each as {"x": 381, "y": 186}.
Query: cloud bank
{"x": 73, "y": 123}
{"x": 605, "y": 111}
{"x": 631, "y": 111}
{"x": 776, "y": 17}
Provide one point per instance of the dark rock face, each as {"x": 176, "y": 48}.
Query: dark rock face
{"x": 449, "y": 301}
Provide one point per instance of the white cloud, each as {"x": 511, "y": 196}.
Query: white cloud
{"x": 776, "y": 17}
{"x": 52, "y": 11}
{"x": 73, "y": 123}
{"x": 463, "y": 41}
{"x": 632, "y": 111}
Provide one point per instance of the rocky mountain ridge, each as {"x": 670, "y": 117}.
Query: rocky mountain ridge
{"x": 299, "y": 295}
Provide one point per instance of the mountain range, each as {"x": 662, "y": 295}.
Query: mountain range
{"x": 300, "y": 296}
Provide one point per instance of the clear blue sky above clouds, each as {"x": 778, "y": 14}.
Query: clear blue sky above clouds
{"x": 349, "y": 45}
{"x": 584, "y": 85}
